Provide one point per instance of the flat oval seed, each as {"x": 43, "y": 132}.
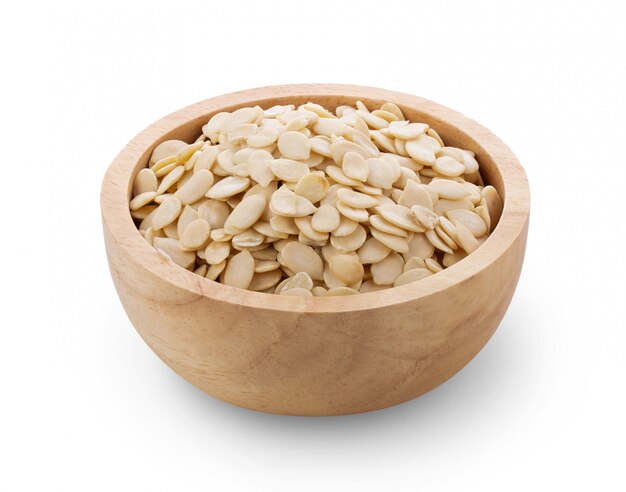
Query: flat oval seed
{"x": 340, "y": 291}
{"x": 227, "y": 187}
{"x": 412, "y": 276}
{"x": 312, "y": 186}
{"x": 197, "y": 186}
{"x": 216, "y": 252}
{"x": 437, "y": 242}
{"x": 386, "y": 272}
{"x": 247, "y": 239}
{"x": 336, "y": 174}
{"x": 381, "y": 173}
{"x": 214, "y": 212}
{"x": 142, "y": 200}
{"x": 304, "y": 225}
{"x": 345, "y": 227}
{"x": 470, "y": 220}
{"x": 265, "y": 136}
{"x": 196, "y": 235}
{"x": 355, "y": 199}
{"x": 419, "y": 152}
{"x": 300, "y": 258}
{"x": 144, "y": 181}
{"x": 325, "y": 219}
{"x": 446, "y": 188}
{"x": 465, "y": 238}
{"x": 245, "y": 214}
{"x": 296, "y": 292}
{"x": 170, "y": 179}
{"x": 239, "y": 270}
{"x": 265, "y": 280}
{"x": 443, "y": 205}
{"x": 447, "y": 166}
{"x": 354, "y": 166}
{"x": 356, "y": 214}
{"x": 400, "y": 216}
{"x": 294, "y": 145}
{"x": 167, "y": 213}
{"x": 214, "y": 271}
{"x": 396, "y": 243}
{"x": 284, "y": 225}
{"x": 419, "y": 246}
{"x": 289, "y": 170}
{"x": 426, "y": 217}
{"x": 262, "y": 266}
{"x": 169, "y": 148}
{"x": 347, "y": 268}
{"x": 351, "y": 242}
{"x": 414, "y": 262}
{"x": 185, "y": 259}
{"x": 493, "y": 203}
{"x": 300, "y": 280}
{"x": 341, "y": 147}
{"x": 372, "y": 251}
{"x": 383, "y": 225}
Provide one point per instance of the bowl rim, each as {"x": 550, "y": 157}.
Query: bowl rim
{"x": 116, "y": 217}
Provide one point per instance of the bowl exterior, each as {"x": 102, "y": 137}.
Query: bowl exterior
{"x": 316, "y": 363}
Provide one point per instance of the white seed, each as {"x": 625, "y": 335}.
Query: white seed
{"x": 239, "y": 270}
{"x": 493, "y": 204}
{"x": 443, "y": 205}
{"x": 214, "y": 271}
{"x": 414, "y": 262}
{"x": 289, "y": 170}
{"x": 169, "y": 148}
{"x": 340, "y": 148}
{"x": 381, "y": 173}
{"x": 412, "y": 276}
{"x": 419, "y": 246}
{"x": 312, "y": 186}
{"x": 215, "y": 212}
{"x": 145, "y": 181}
{"x": 465, "y": 238}
{"x": 345, "y": 227}
{"x": 396, "y": 243}
{"x": 216, "y": 252}
{"x": 469, "y": 219}
{"x": 284, "y": 225}
{"x": 306, "y": 228}
{"x": 265, "y": 280}
{"x": 437, "y": 242}
{"x": 325, "y": 219}
{"x": 347, "y": 268}
{"x": 356, "y": 214}
{"x": 400, "y": 216}
{"x": 351, "y": 242}
{"x": 294, "y": 145}
{"x": 447, "y": 166}
{"x": 300, "y": 280}
{"x": 340, "y": 291}
{"x": 336, "y": 174}
{"x": 142, "y": 200}
{"x": 262, "y": 266}
{"x": 167, "y": 213}
{"x": 296, "y": 292}
{"x": 355, "y": 199}
{"x": 247, "y": 239}
{"x": 419, "y": 152}
{"x": 378, "y": 222}
{"x": 185, "y": 259}
{"x": 386, "y": 271}
{"x": 449, "y": 189}
{"x": 354, "y": 166}
{"x": 196, "y": 187}
{"x": 372, "y": 251}
{"x": 300, "y": 258}
{"x": 425, "y": 216}
{"x": 245, "y": 214}
{"x": 405, "y": 130}
{"x": 195, "y": 235}
{"x": 227, "y": 187}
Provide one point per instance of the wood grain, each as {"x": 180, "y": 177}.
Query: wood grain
{"x": 317, "y": 356}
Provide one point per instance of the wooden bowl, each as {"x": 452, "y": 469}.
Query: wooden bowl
{"x": 317, "y": 356}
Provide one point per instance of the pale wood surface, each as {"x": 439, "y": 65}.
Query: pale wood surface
{"x": 317, "y": 356}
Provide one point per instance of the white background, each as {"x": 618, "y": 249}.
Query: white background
{"x": 86, "y": 405}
